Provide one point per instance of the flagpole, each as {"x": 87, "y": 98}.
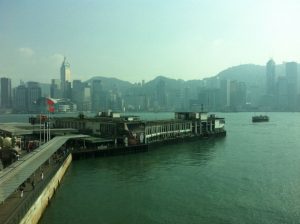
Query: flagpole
{"x": 50, "y": 104}
{"x": 48, "y": 125}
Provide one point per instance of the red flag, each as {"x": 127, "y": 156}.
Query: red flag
{"x": 50, "y": 102}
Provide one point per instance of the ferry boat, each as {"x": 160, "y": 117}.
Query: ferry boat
{"x": 260, "y": 118}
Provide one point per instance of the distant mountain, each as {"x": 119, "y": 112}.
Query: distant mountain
{"x": 249, "y": 73}
{"x": 110, "y": 83}
{"x": 253, "y": 75}
{"x": 173, "y": 86}
{"x": 169, "y": 83}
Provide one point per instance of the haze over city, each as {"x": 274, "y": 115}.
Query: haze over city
{"x": 204, "y": 96}
{"x": 135, "y": 40}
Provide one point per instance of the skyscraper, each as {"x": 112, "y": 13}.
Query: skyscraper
{"x": 225, "y": 94}
{"x": 291, "y": 69}
{"x": 87, "y": 106}
{"x": 5, "y": 99}
{"x": 55, "y": 91}
{"x": 34, "y": 93}
{"x": 282, "y": 94}
{"x": 78, "y": 93}
{"x": 20, "y": 98}
{"x": 65, "y": 78}
{"x": 161, "y": 95}
{"x": 270, "y": 77}
{"x": 96, "y": 95}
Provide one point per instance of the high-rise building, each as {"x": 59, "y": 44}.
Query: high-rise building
{"x": 270, "y": 77}
{"x": 87, "y": 98}
{"x": 78, "y": 93}
{"x": 20, "y": 98}
{"x": 34, "y": 93}
{"x": 5, "y": 99}
{"x": 65, "y": 78}
{"x": 207, "y": 99}
{"x": 268, "y": 101}
{"x": 186, "y": 98}
{"x": 96, "y": 95}
{"x": 225, "y": 94}
{"x": 161, "y": 95}
{"x": 291, "y": 69}
{"x": 68, "y": 90}
{"x": 55, "y": 91}
{"x": 238, "y": 92}
{"x": 282, "y": 94}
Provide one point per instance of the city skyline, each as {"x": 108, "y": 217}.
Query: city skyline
{"x": 139, "y": 40}
{"x": 61, "y": 70}
{"x": 241, "y": 88}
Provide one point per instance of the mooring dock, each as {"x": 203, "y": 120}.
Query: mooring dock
{"x": 130, "y": 130}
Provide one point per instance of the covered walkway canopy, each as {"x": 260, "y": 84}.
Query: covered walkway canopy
{"x": 16, "y": 128}
{"x": 14, "y": 175}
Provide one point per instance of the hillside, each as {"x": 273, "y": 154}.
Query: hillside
{"x": 253, "y": 75}
{"x": 111, "y": 83}
{"x": 249, "y": 73}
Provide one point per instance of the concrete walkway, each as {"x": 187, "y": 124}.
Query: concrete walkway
{"x": 29, "y": 167}
{"x": 11, "y": 204}
{"x": 18, "y": 172}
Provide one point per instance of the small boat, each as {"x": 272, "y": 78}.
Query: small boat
{"x": 260, "y": 118}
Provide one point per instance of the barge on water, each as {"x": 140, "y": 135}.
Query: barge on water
{"x": 129, "y": 133}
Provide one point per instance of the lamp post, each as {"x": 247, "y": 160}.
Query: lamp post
{"x": 44, "y": 123}
{"x": 49, "y": 136}
{"x": 40, "y": 129}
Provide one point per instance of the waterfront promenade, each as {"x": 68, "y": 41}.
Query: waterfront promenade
{"x": 31, "y": 173}
{"x": 15, "y": 206}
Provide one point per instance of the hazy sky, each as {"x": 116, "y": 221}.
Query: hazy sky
{"x": 141, "y": 39}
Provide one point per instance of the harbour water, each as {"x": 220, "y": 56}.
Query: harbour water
{"x": 250, "y": 176}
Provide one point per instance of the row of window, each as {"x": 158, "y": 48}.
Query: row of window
{"x": 167, "y": 127}
{"x": 107, "y": 128}
{"x": 70, "y": 124}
